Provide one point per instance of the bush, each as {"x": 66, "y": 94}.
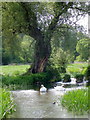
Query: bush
{"x": 41, "y": 78}
{"x": 53, "y": 74}
{"x": 79, "y": 78}
{"x": 87, "y": 74}
{"x": 67, "y": 78}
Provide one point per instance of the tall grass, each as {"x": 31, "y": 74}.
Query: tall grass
{"x": 76, "y": 101}
{"x": 6, "y": 103}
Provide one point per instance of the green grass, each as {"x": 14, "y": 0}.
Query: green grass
{"x": 6, "y": 103}
{"x": 75, "y": 68}
{"x": 13, "y": 69}
{"x": 20, "y": 69}
{"x": 76, "y": 101}
{"x": 12, "y": 74}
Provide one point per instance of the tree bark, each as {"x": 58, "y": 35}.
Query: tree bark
{"x": 42, "y": 54}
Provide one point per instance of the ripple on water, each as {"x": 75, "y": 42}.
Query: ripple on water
{"x": 33, "y": 104}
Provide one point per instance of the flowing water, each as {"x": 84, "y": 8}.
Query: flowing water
{"x": 33, "y": 104}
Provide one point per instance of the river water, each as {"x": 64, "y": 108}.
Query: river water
{"x": 33, "y": 104}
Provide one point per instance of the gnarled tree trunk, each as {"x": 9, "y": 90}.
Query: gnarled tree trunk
{"x": 42, "y": 47}
{"x": 42, "y": 54}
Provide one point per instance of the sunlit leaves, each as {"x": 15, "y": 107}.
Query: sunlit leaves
{"x": 83, "y": 48}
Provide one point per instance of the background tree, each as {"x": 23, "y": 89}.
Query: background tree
{"x": 66, "y": 38}
{"x": 39, "y": 22}
{"x": 83, "y": 48}
{"x": 58, "y": 60}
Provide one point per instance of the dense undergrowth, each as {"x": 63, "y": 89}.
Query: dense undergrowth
{"x": 7, "y": 106}
{"x": 12, "y": 75}
{"x": 41, "y": 78}
{"x": 77, "y": 101}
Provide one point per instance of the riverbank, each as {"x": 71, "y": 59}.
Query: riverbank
{"x": 76, "y": 101}
{"x": 7, "y": 106}
{"x": 33, "y": 104}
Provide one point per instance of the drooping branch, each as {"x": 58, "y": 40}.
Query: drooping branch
{"x": 31, "y": 19}
{"x": 85, "y": 10}
{"x": 53, "y": 24}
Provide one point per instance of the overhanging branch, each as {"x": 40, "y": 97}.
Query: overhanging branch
{"x": 53, "y": 24}
{"x": 32, "y": 28}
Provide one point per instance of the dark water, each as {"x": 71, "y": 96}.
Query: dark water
{"x": 33, "y": 104}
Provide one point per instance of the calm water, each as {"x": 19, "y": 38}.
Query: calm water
{"x": 33, "y": 104}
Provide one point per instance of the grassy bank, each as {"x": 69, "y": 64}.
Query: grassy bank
{"x": 75, "y": 68}
{"x": 13, "y": 69}
{"x": 6, "y": 105}
{"x": 76, "y": 101}
{"x": 20, "y": 69}
{"x": 12, "y": 75}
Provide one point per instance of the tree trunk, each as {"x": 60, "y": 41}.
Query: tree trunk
{"x": 42, "y": 54}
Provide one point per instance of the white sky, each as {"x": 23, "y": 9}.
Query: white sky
{"x": 84, "y": 22}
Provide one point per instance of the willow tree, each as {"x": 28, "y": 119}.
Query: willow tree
{"x": 38, "y": 20}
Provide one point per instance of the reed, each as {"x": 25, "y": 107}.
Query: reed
{"x": 7, "y": 105}
{"x": 76, "y": 101}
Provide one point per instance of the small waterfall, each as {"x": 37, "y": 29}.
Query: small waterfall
{"x": 73, "y": 85}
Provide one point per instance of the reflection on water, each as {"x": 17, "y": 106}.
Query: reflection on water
{"x": 33, "y": 104}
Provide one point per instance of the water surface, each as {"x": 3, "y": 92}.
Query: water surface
{"x": 33, "y": 104}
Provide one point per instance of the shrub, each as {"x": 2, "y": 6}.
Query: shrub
{"x": 87, "y": 74}
{"x": 67, "y": 78}
{"x": 41, "y": 78}
{"x": 79, "y": 78}
{"x": 62, "y": 69}
{"x": 53, "y": 73}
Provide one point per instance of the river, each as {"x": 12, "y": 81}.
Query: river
{"x": 33, "y": 104}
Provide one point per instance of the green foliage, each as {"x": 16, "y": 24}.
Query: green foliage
{"x": 22, "y": 53}
{"x": 83, "y": 48}
{"x": 87, "y": 74}
{"x": 5, "y": 57}
{"x": 27, "y": 49}
{"x": 7, "y": 105}
{"x": 53, "y": 73}
{"x": 76, "y": 101}
{"x": 65, "y": 37}
{"x": 26, "y": 80}
{"x": 79, "y": 77}
{"x": 38, "y": 20}
{"x": 58, "y": 60}
{"x": 76, "y": 68}
{"x": 66, "y": 78}
{"x": 42, "y": 78}
{"x": 13, "y": 70}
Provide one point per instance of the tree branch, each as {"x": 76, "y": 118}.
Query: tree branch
{"x": 32, "y": 22}
{"x": 53, "y": 24}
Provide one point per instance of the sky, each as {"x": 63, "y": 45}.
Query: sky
{"x": 84, "y": 22}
